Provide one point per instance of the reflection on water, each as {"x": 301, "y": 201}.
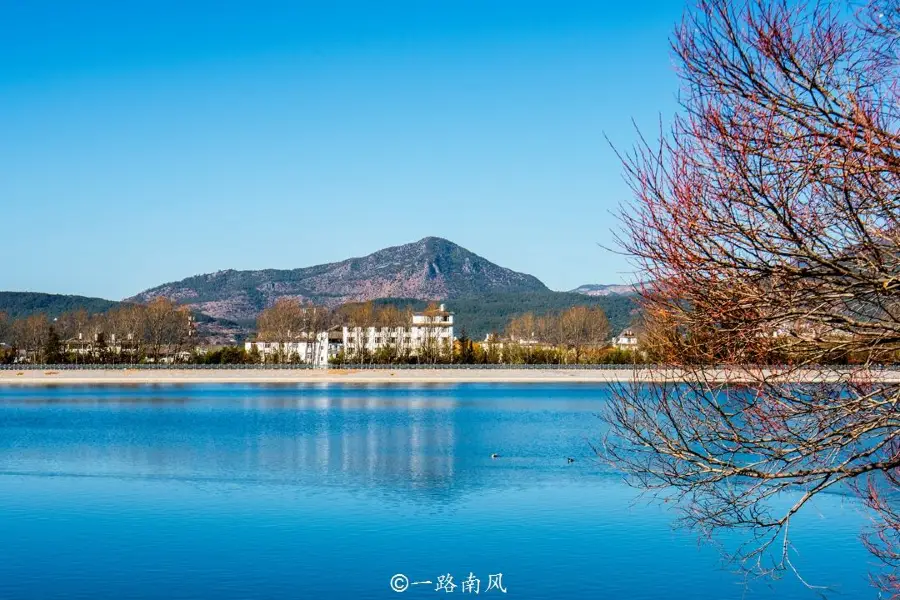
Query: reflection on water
{"x": 433, "y": 439}
{"x": 244, "y": 492}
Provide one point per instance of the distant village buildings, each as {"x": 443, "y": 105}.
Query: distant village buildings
{"x": 172, "y": 341}
{"x": 125, "y": 348}
{"x": 93, "y": 345}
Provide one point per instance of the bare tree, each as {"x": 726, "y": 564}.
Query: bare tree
{"x": 522, "y": 333}
{"x": 315, "y": 320}
{"x": 167, "y": 327}
{"x": 361, "y": 319}
{"x": 767, "y": 220}
{"x": 433, "y": 349}
{"x": 523, "y": 327}
{"x": 582, "y": 327}
{"x": 405, "y": 347}
{"x": 127, "y": 327}
{"x": 552, "y": 336}
{"x": 282, "y": 323}
{"x": 29, "y": 335}
{"x": 72, "y": 323}
{"x": 391, "y": 324}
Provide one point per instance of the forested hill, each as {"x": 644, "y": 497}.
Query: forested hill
{"x": 482, "y": 315}
{"x": 22, "y": 304}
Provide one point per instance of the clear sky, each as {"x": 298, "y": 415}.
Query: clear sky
{"x": 146, "y": 141}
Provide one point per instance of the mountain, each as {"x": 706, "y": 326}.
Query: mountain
{"x": 599, "y": 289}
{"x": 483, "y": 296}
{"x": 23, "y": 304}
{"x": 430, "y": 269}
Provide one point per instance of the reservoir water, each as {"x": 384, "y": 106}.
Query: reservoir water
{"x": 244, "y": 492}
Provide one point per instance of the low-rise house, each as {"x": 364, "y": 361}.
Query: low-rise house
{"x": 99, "y": 343}
{"x": 627, "y": 340}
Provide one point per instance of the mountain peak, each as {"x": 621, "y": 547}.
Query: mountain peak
{"x": 435, "y": 240}
{"x": 429, "y": 243}
{"x": 432, "y": 268}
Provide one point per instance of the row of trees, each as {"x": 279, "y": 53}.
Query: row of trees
{"x": 159, "y": 331}
{"x": 558, "y": 337}
{"x": 494, "y": 351}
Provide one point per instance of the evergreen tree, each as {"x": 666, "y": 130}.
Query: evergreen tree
{"x": 466, "y": 352}
{"x": 53, "y": 348}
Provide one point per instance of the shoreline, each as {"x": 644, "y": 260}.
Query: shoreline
{"x": 114, "y": 377}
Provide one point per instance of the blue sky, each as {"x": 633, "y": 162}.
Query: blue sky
{"x": 143, "y": 142}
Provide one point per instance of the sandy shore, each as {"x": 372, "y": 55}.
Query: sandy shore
{"x": 370, "y": 376}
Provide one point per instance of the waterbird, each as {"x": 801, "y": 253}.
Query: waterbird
{"x": 495, "y": 455}
{"x": 570, "y": 460}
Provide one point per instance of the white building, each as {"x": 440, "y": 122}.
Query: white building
{"x": 430, "y": 332}
{"x": 310, "y": 349}
{"x": 99, "y": 343}
{"x": 626, "y": 340}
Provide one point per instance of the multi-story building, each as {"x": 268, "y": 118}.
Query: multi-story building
{"x": 315, "y": 349}
{"x": 430, "y": 333}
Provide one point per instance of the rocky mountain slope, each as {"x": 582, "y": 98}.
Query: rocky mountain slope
{"x": 430, "y": 269}
{"x": 599, "y": 289}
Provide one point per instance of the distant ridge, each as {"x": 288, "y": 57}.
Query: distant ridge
{"x": 430, "y": 269}
{"x": 599, "y": 289}
{"x": 22, "y": 304}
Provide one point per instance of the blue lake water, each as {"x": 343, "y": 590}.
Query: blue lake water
{"x": 243, "y": 492}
